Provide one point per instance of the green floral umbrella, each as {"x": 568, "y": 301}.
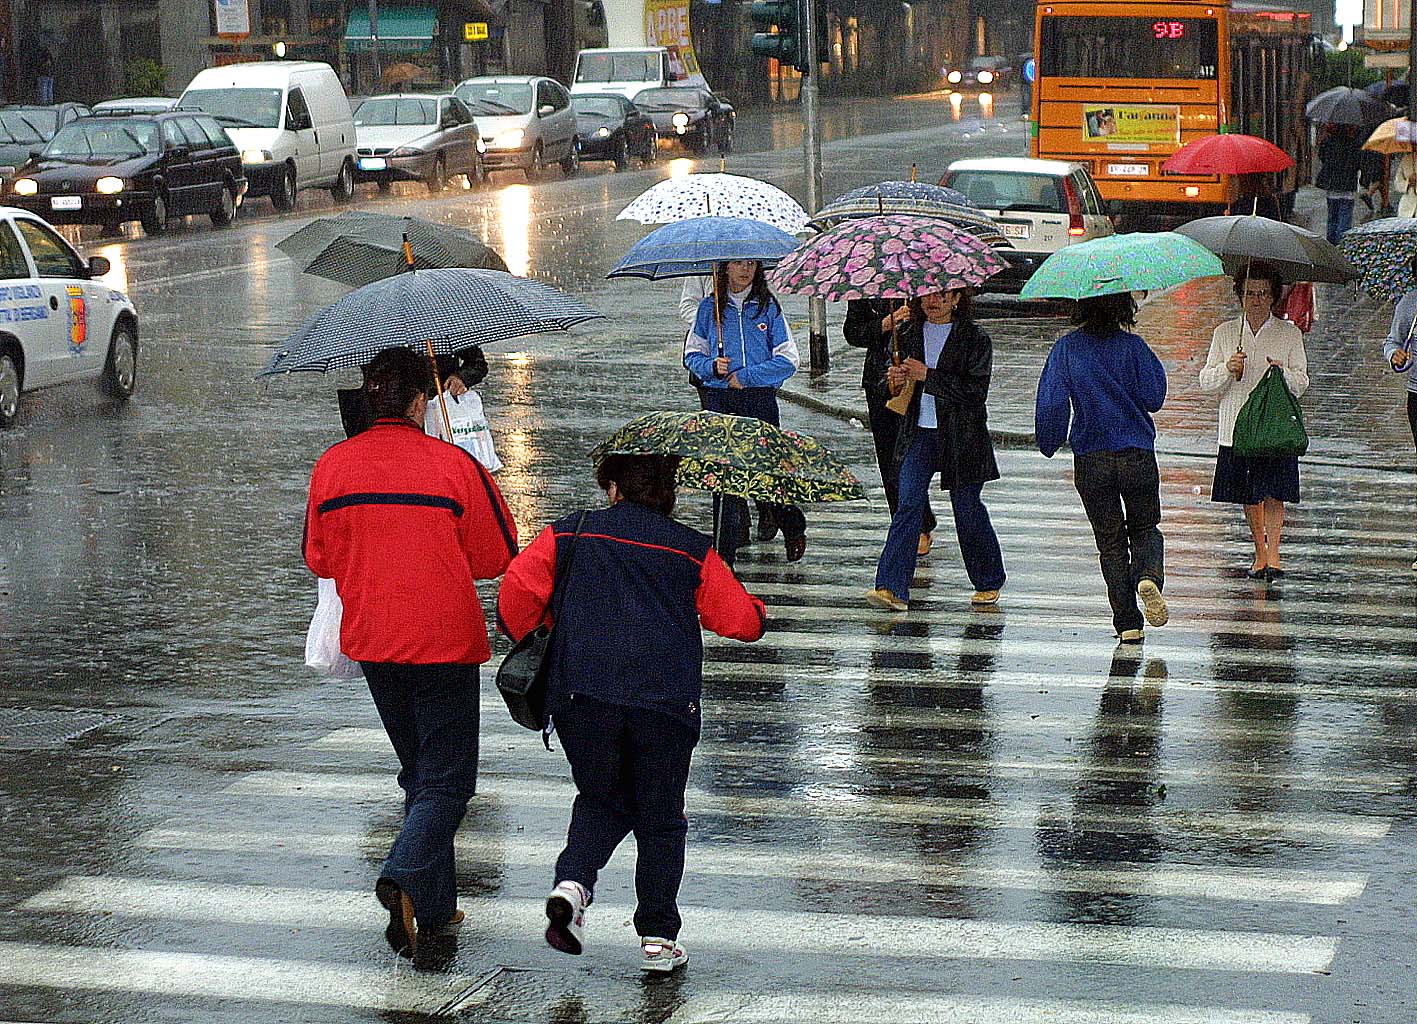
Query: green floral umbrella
{"x": 739, "y": 456}
{"x": 1139, "y": 262}
{"x": 1382, "y": 250}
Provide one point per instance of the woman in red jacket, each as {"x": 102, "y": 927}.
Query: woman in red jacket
{"x": 625, "y": 684}
{"x": 404, "y": 523}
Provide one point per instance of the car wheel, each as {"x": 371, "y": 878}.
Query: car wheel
{"x": 437, "y": 179}
{"x": 9, "y": 389}
{"x": 283, "y": 198}
{"x": 225, "y": 210}
{"x": 343, "y": 189}
{"x": 622, "y": 155}
{"x": 120, "y": 371}
{"x": 154, "y": 218}
{"x": 572, "y": 163}
{"x": 538, "y": 164}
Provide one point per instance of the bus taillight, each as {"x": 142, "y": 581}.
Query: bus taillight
{"x": 1075, "y": 225}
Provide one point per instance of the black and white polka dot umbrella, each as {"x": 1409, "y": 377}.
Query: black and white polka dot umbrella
{"x": 454, "y": 309}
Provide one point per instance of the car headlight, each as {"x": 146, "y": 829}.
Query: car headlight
{"x": 954, "y": 78}
{"x": 256, "y": 156}
{"x": 985, "y": 77}
{"x": 510, "y": 139}
{"x": 481, "y": 146}
{"x": 603, "y": 132}
{"x": 680, "y": 120}
{"x": 26, "y": 186}
{"x": 108, "y": 185}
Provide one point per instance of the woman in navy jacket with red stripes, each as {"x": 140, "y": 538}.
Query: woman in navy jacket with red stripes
{"x": 625, "y": 684}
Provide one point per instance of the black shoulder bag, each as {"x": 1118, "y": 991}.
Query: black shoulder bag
{"x": 522, "y": 676}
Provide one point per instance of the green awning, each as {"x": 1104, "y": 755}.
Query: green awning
{"x": 401, "y": 29}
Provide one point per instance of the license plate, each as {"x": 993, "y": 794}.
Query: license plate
{"x": 1128, "y": 170}
{"x": 67, "y": 203}
{"x": 1014, "y": 230}
{"x": 373, "y": 163}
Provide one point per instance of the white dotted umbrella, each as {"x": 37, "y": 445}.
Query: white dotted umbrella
{"x": 717, "y": 195}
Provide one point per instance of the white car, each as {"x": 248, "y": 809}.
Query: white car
{"x": 526, "y": 121}
{"x": 1040, "y": 206}
{"x": 58, "y": 323}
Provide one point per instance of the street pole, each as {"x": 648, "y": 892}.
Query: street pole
{"x": 812, "y": 151}
{"x": 374, "y": 44}
{"x": 1411, "y": 66}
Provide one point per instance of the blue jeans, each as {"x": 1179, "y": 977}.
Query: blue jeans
{"x": 978, "y": 544}
{"x": 1340, "y": 217}
{"x": 431, "y": 714}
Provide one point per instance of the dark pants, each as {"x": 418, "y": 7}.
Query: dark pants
{"x": 1412, "y": 412}
{"x": 1340, "y": 218}
{"x": 728, "y": 513}
{"x": 430, "y": 714}
{"x": 978, "y": 544}
{"x": 885, "y": 429}
{"x": 1121, "y": 492}
{"x": 631, "y": 767}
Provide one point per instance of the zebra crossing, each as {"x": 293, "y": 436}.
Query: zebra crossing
{"x": 951, "y": 815}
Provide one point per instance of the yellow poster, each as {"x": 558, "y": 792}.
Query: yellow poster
{"x": 667, "y": 25}
{"x": 1151, "y": 124}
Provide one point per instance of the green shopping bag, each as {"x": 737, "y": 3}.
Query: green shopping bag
{"x": 1270, "y": 423}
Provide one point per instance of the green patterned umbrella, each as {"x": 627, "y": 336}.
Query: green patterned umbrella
{"x": 1139, "y": 262}
{"x": 1382, "y": 250}
{"x": 739, "y": 456}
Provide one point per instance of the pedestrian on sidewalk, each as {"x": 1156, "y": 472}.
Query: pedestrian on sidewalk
{"x": 43, "y": 76}
{"x": 1399, "y": 350}
{"x": 1338, "y": 176}
{"x": 1241, "y": 352}
{"x": 945, "y": 433}
{"x": 1255, "y": 197}
{"x": 625, "y": 685}
{"x": 871, "y": 324}
{"x": 758, "y": 355}
{"x": 1100, "y": 387}
{"x": 404, "y": 523}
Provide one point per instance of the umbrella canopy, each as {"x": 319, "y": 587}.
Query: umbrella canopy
{"x": 1297, "y": 254}
{"x": 1139, "y": 262}
{"x": 891, "y": 257}
{"x": 689, "y": 248}
{"x": 1394, "y": 93}
{"x": 911, "y": 199}
{"x": 1228, "y": 154}
{"x": 1384, "y": 138}
{"x": 718, "y": 195}
{"x": 738, "y": 455}
{"x": 453, "y": 309}
{"x": 359, "y": 248}
{"x": 1344, "y": 105}
{"x": 1382, "y": 250}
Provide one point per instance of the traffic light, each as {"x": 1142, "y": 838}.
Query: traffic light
{"x": 784, "y": 45}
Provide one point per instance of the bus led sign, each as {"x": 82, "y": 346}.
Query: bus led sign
{"x": 1168, "y": 29}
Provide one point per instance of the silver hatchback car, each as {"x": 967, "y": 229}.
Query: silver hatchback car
{"x": 410, "y": 137}
{"x": 527, "y": 122}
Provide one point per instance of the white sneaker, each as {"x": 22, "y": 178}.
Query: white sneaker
{"x": 662, "y": 955}
{"x": 565, "y": 912}
{"x": 1153, "y": 605}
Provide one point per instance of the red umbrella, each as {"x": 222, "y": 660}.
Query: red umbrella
{"x": 1228, "y": 154}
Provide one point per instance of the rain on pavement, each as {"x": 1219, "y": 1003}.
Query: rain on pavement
{"x": 955, "y": 815}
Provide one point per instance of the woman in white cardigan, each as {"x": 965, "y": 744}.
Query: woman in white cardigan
{"x": 1241, "y": 353}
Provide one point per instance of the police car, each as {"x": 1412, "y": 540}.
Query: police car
{"x": 58, "y": 323}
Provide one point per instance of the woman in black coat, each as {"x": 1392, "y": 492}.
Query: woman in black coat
{"x": 945, "y": 431}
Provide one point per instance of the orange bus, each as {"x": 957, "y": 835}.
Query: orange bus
{"x": 1122, "y": 85}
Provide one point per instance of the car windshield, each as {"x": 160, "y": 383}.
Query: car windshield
{"x": 237, "y": 108}
{"x": 596, "y": 106}
{"x": 668, "y": 99}
{"x": 618, "y": 67}
{"x": 16, "y": 128}
{"x": 1008, "y": 190}
{"x": 87, "y": 138}
{"x": 44, "y": 120}
{"x": 496, "y": 97}
{"x": 396, "y": 111}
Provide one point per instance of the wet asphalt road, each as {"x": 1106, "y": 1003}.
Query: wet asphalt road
{"x": 956, "y": 815}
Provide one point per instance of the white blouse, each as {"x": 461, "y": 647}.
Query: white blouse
{"x": 1276, "y": 339}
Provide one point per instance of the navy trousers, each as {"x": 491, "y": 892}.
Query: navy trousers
{"x": 1121, "y": 492}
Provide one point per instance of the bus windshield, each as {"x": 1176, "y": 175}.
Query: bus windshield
{"x": 1096, "y": 46}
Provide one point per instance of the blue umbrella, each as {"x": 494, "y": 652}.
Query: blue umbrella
{"x": 691, "y": 248}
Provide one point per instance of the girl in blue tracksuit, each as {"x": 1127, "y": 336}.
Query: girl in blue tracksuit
{"x": 741, "y": 377}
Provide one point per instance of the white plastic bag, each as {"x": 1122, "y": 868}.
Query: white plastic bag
{"x": 322, "y": 649}
{"x": 470, "y": 430}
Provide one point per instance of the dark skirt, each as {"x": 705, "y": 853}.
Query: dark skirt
{"x": 1245, "y": 481}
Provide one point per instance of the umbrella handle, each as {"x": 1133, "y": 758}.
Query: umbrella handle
{"x": 717, "y": 311}
{"x": 437, "y": 380}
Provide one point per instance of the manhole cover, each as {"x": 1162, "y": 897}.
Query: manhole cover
{"x": 22, "y": 729}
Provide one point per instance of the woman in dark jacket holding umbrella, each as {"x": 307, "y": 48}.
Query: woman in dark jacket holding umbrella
{"x": 945, "y": 431}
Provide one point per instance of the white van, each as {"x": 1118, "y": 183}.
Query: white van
{"x": 626, "y": 71}
{"x": 290, "y": 119}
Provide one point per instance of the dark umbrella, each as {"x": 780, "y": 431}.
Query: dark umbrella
{"x": 1297, "y": 254}
{"x": 358, "y": 248}
{"x": 1344, "y": 105}
{"x": 913, "y": 199}
{"x": 1394, "y": 92}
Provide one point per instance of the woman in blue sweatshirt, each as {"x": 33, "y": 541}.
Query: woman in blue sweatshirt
{"x": 1098, "y": 391}
{"x": 742, "y": 350}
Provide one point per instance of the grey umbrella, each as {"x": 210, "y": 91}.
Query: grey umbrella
{"x": 359, "y": 248}
{"x": 1297, "y": 254}
{"x": 910, "y": 198}
{"x": 1344, "y": 105}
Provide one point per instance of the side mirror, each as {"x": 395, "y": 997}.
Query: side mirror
{"x": 99, "y": 266}
{"x": 545, "y": 110}
{"x": 179, "y": 153}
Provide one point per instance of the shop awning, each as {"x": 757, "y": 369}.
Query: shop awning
{"x": 401, "y": 29}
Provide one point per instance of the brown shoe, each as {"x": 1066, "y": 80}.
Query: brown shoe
{"x": 927, "y": 541}
{"x": 450, "y": 929}
{"x": 402, "y": 931}
{"x": 880, "y": 597}
{"x": 983, "y": 597}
